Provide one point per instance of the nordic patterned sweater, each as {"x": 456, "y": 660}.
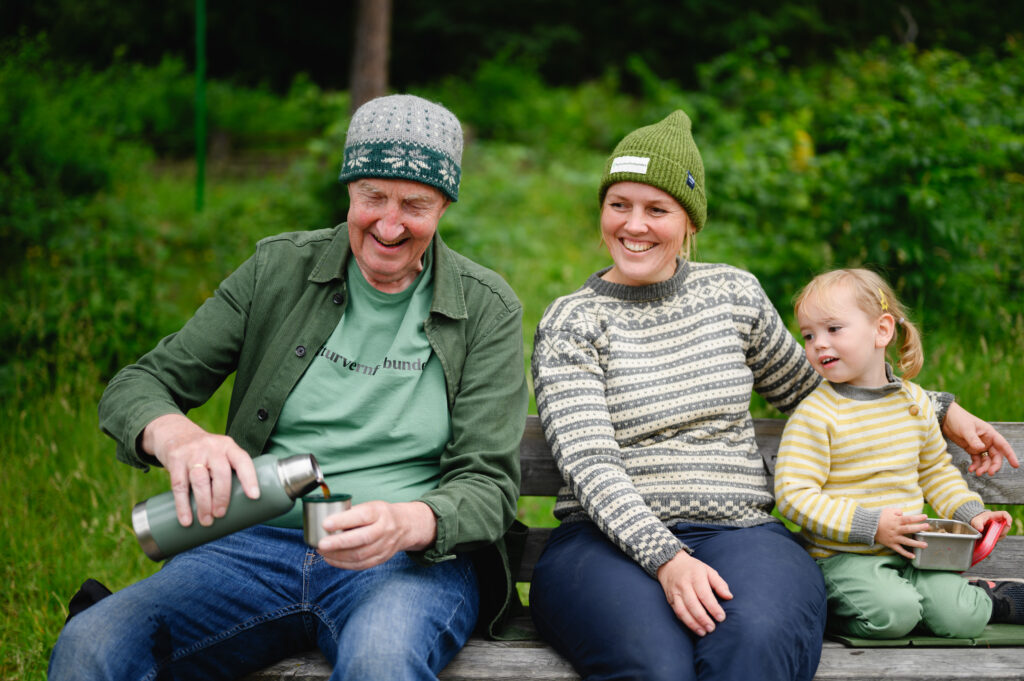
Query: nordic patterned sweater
{"x": 849, "y": 452}
{"x": 644, "y": 392}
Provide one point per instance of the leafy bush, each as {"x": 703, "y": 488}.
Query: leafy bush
{"x": 506, "y": 100}
{"x": 909, "y": 162}
{"x": 89, "y": 275}
{"x": 51, "y": 156}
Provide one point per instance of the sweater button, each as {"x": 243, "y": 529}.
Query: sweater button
{"x": 300, "y": 351}
{"x": 914, "y": 410}
{"x": 262, "y": 414}
{"x": 338, "y": 299}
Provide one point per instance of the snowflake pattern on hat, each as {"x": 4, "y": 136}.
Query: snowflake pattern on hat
{"x": 358, "y": 157}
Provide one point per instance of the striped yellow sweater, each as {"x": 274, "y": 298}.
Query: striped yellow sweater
{"x": 848, "y": 452}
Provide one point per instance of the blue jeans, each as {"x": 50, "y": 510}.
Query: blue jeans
{"x": 243, "y": 602}
{"x": 610, "y": 619}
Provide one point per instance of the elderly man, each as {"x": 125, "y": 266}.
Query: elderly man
{"x": 397, "y": 362}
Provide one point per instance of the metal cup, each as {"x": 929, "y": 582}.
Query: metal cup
{"x": 316, "y": 509}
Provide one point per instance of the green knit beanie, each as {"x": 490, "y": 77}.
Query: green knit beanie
{"x": 665, "y": 156}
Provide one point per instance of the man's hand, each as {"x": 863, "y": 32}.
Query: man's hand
{"x": 374, "y": 531}
{"x": 201, "y": 463}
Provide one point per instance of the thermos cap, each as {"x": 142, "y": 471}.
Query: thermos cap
{"x": 299, "y": 474}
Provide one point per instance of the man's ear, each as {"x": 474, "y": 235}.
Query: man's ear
{"x": 885, "y": 329}
{"x": 447, "y": 202}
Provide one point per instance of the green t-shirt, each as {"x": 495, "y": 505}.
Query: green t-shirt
{"x": 371, "y": 406}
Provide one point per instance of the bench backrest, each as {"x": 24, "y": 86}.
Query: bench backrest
{"x": 541, "y": 478}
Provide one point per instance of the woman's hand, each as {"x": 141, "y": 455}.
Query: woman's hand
{"x": 201, "y": 463}
{"x": 894, "y": 530}
{"x": 691, "y": 588}
{"x": 374, "y": 531}
{"x": 978, "y": 438}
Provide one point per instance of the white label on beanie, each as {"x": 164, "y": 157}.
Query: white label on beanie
{"x": 630, "y": 164}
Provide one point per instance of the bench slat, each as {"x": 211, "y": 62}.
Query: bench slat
{"x": 1006, "y": 560}
{"x": 541, "y": 476}
{"x": 481, "y": 660}
{"x": 839, "y": 663}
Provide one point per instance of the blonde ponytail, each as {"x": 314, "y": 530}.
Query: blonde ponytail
{"x": 911, "y": 351}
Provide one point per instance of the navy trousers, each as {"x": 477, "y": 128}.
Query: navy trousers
{"x": 611, "y": 620}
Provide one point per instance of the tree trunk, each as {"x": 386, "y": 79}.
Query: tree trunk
{"x": 370, "y": 51}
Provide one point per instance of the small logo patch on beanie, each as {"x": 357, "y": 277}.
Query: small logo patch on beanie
{"x": 630, "y": 164}
{"x": 690, "y": 182}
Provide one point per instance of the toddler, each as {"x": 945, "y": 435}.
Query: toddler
{"x": 858, "y": 459}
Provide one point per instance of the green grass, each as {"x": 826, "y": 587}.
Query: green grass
{"x": 67, "y": 502}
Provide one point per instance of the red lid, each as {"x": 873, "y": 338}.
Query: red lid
{"x": 984, "y": 546}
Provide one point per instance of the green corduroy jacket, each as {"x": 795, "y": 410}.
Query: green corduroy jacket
{"x": 267, "y": 321}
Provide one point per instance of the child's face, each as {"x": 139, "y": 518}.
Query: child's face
{"x": 842, "y": 342}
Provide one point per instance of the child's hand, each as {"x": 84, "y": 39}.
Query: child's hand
{"x": 979, "y": 521}
{"x": 894, "y": 530}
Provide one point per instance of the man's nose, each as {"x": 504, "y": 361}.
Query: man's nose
{"x": 389, "y": 224}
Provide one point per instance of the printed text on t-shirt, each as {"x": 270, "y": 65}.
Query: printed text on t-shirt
{"x": 388, "y": 363}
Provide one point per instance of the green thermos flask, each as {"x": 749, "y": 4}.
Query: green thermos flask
{"x": 281, "y": 481}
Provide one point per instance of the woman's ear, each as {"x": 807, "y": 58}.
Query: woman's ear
{"x": 885, "y": 329}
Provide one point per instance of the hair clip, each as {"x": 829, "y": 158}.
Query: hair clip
{"x": 900, "y": 321}
{"x": 881, "y": 299}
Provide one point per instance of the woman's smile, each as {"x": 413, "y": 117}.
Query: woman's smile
{"x": 636, "y": 246}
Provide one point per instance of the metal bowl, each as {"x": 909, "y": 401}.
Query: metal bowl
{"x": 950, "y": 545}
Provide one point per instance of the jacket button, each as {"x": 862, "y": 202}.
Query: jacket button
{"x": 300, "y": 351}
{"x": 338, "y": 299}
{"x": 914, "y": 410}
{"x": 262, "y": 414}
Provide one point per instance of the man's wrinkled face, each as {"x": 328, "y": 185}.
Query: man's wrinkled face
{"x": 390, "y": 225}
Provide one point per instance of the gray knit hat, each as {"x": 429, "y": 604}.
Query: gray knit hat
{"x": 405, "y": 137}
{"x": 665, "y": 156}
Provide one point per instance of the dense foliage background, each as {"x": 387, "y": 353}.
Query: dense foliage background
{"x": 829, "y": 140}
{"x": 567, "y": 41}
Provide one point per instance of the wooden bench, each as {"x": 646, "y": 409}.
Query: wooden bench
{"x": 533, "y": 660}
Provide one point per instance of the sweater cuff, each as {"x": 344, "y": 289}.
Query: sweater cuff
{"x": 966, "y": 512}
{"x": 864, "y": 526}
{"x": 942, "y": 403}
{"x": 667, "y": 553}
